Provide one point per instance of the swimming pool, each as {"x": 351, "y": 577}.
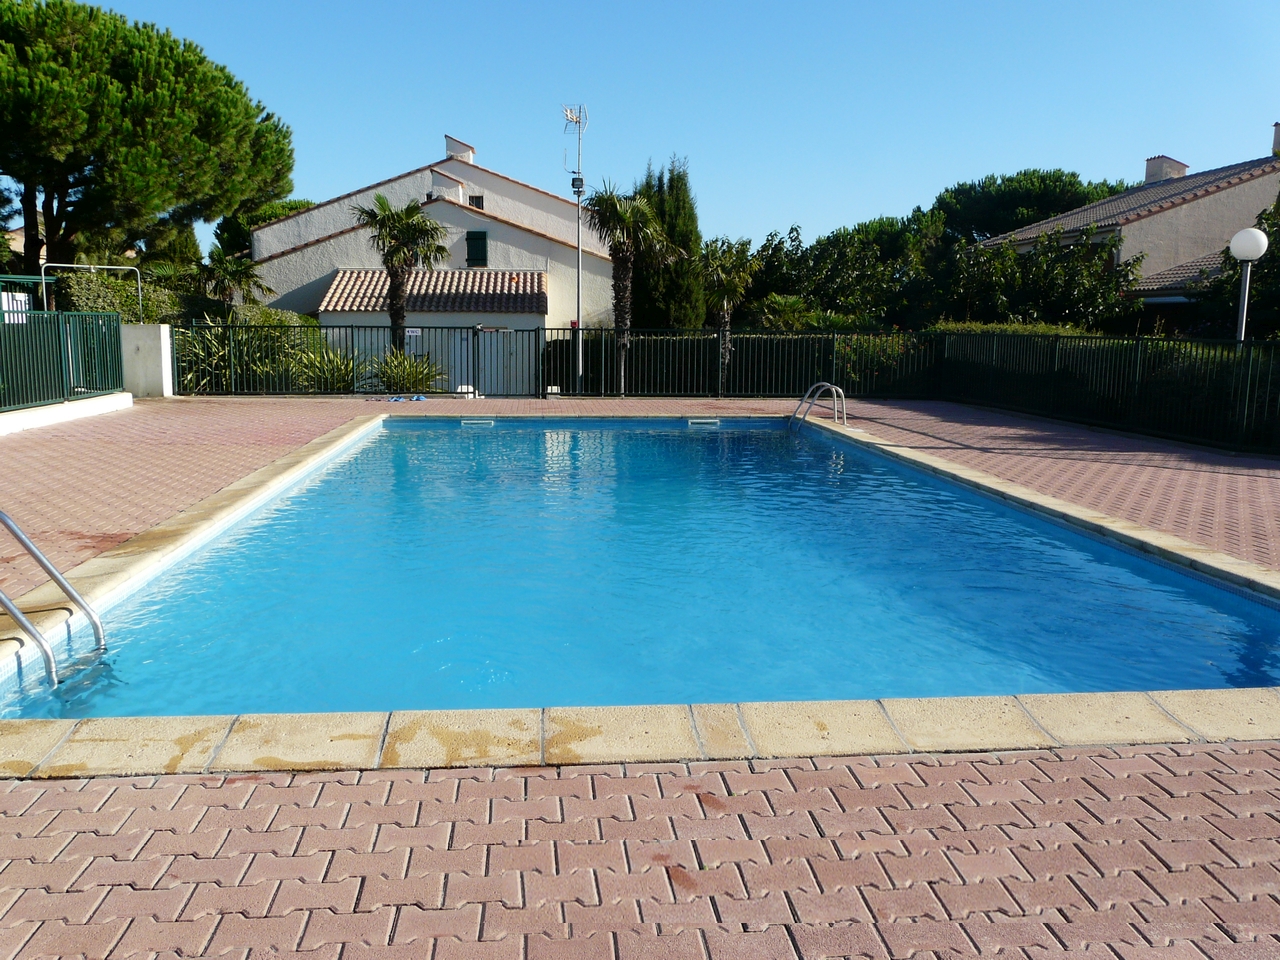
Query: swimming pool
{"x": 449, "y": 564}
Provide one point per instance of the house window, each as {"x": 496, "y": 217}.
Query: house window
{"x": 477, "y": 248}
{"x": 476, "y": 201}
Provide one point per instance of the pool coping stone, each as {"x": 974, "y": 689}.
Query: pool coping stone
{"x": 663, "y": 733}
{"x": 136, "y": 746}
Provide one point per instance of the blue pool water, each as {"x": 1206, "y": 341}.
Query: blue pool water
{"x": 536, "y": 563}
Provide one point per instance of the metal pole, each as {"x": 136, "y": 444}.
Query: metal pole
{"x": 1244, "y": 299}
{"x": 54, "y": 574}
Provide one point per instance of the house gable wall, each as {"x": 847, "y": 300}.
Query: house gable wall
{"x": 1198, "y": 227}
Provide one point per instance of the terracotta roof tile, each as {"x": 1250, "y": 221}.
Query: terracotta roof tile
{"x": 1143, "y": 201}
{"x": 1176, "y": 279}
{"x": 440, "y": 291}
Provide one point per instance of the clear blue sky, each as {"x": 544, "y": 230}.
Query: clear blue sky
{"x": 821, "y": 114}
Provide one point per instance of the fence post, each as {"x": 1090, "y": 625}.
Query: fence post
{"x": 719, "y": 363}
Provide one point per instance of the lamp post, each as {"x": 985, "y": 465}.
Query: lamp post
{"x": 1246, "y": 246}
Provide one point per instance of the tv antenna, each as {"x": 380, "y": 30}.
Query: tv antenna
{"x": 575, "y": 119}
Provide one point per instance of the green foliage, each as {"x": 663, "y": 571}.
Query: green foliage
{"x": 667, "y": 291}
{"x": 994, "y": 205}
{"x": 229, "y": 278}
{"x": 1078, "y": 284}
{"x": 402, "y": 373}
{"x": 1218, "y": 297}
{"x": 176, "y": 243}
{"x": 324, "y": 369}
{"x": 632, "y": 231}
{"x": 110, "y": 128}
{"x": 727, "y": 268}
{"x": 257, "y": 315}
{"x": 233, "y": 232}
{"x": 91, "y": 292}
{"x": 405, "y": 238}
{"x": 1026, "y": 329}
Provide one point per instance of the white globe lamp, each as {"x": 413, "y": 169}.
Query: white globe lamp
{"x": 1246, "y": 246}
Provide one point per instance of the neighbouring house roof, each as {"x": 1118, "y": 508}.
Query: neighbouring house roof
{"x": 1144, "y": 201}
{"x": 440, "y": 291}
{"x": 1177, "y": 280}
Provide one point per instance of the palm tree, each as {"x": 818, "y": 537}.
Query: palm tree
{"x": 727, "y": 267}
{"x": 227, "y": 277}
{"x": 630, "y": 228}
{"x": 405, "y": 238}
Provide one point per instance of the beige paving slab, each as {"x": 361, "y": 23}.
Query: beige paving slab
{"x": 720, "y": 731}
{"x": 820, "y": 728}
{"x": 463, "y": 738}
{"x": 941, "y": 724}
{"x": 129, "y": 746}
{"x": 303, "y": 741}
{"x": 1249, "y": 713}
{"x": 619, "y": 734}
{"x": 1081, "y": 719}
{"x": 24, "y": 743}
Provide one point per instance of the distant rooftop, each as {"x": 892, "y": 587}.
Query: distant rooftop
{"x": 1145, "y": 200}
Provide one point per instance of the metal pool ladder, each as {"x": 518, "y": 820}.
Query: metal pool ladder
{"x": 839, "y": 409}
{"x": 72, "y": 594}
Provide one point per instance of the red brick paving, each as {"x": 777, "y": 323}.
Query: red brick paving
{"x": 82, "y": 487}
{"x": 1152, "y": 852}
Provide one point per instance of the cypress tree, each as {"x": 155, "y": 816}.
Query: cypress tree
{"x": 669, "y": 295}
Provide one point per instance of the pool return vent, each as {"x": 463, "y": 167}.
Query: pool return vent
{"x": 73, "y": 595}
{"x": 839, "y": 411}
{"x": 477, "y": 423}
{"x": 708, "y": 422}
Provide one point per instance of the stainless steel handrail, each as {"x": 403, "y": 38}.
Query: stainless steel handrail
{"x": 72, "y": 594}
{"x": 839, "y": 406}
{"x": 37, "y": 637}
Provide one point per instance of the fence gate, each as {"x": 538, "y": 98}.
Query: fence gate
{"x": 506, "y": 363}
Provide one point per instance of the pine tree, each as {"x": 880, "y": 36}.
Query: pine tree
{"x": 669, "y": 294}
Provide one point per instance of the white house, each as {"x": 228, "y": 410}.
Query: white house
{"x": 512, "y": 254}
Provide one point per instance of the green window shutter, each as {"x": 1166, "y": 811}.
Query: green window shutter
{"x": 477, "y": 248}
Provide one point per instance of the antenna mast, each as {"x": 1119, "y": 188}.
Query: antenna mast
{"x": 576, "y": 116}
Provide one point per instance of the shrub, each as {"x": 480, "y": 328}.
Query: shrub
{"x": 1038, "y": 329}
{"x": 324, "y": 369}
{"x": 401, "y": 373}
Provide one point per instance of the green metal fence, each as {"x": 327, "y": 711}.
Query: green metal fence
{"x": 1203, "y": 391}
{"x": 48, "y": 357}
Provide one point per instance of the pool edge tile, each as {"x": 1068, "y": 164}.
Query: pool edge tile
{"x": 720, "y": 731}
{"x": 136, "y": 746}
{"x": 632, "y": 734}
{"x": 821, "y": 728}
{"x": 301, "y": 741}
{"x": 1095, "y": 719}
{"x": 463, "y": 738}
{"x": 959, "y": 724}
{"x": 1239, "y": 713}
{"x": 26, "y": 744}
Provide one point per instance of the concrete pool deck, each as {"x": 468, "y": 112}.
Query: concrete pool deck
{"x": 77, "y": 847}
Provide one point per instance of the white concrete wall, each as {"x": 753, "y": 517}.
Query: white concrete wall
{"x": 303, "y": 276}
{"x": 332, "y": 216}
{"x": 147, "y": 350}
{"x": 1198, "y": 227}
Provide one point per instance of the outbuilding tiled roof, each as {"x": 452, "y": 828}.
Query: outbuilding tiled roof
{"x": 1177, "y": 279}
{"x": 440, "y": 291}
{"x": 1146, "y": 200}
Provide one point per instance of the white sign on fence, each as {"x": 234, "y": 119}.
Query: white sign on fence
{"x": 15, "y": 306}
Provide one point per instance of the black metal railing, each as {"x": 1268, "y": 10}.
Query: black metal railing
{"x": 48, "y": 357}
{"x": 1204, "y": 391}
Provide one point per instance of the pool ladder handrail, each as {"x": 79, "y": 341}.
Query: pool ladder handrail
{"x": 71, "y": 593}
{"x": 839, "y": 408}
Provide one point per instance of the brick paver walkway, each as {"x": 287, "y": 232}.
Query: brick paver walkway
{"x": 83, "y": 487}
{"x": 1151, "y": 852}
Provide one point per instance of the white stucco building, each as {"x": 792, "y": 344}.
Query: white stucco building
{"x": 512, "y": 246}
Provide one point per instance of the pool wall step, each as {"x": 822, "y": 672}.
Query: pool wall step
{"x": 570, "y": 736}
